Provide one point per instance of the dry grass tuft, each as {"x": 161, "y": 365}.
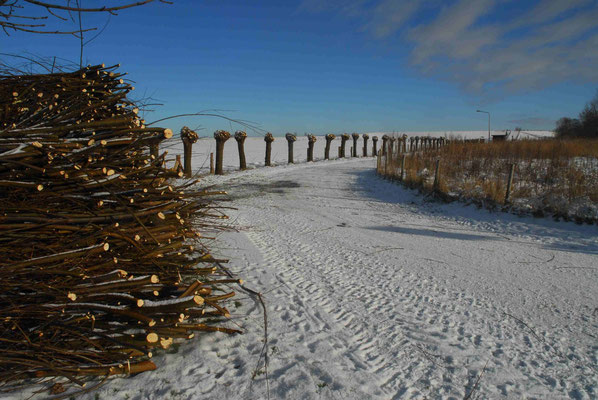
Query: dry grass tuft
{"x": 554, "y": 176}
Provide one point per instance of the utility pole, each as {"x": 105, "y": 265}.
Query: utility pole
{"x": 486, "y": 112}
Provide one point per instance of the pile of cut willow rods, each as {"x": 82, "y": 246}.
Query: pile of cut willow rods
{"x": 103, "y": 257}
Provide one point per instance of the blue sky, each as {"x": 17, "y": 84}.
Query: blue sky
{"x": 323, "y": 66}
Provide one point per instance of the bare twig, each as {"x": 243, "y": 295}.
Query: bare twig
{"x": 477, "y": 382}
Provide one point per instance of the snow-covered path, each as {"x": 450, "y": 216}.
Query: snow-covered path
{"x": 373, "y": 292}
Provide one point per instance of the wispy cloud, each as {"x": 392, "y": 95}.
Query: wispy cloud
{"x": 481, "y": 48}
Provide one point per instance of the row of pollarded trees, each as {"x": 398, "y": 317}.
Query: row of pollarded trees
{"x": 389, "y": 142}
{"x": 405, "y": 143}
{"x": 240, "y": 136}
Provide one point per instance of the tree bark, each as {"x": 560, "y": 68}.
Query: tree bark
{"x": 311, "y": 140}
{"x": 329, "y": 138}
{"x": 290, "y": 139}
{"x": 240, "y": 137}
{"x": 355, "y": 138}
{"x": 221, "y": 138}
{"x": 344, "y": 138}
{"x": 268, "y": 139}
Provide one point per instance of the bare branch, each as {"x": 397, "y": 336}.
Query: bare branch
{"x": 52, "y": 7}
{"x": 99, "y": 9}
{"x": 20, "y": 27}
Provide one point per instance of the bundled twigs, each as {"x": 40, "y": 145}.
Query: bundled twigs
{"x": 101, "y": 260}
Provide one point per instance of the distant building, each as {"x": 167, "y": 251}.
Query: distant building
{"x": 502, "y": 137}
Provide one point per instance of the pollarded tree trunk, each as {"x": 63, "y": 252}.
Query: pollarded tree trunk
{"x": 355, "y": 138}
{"x": 374, "y": 146}
{"x": 404, "y": 143}
{"x": 365, "y": 144}
{"x": 188, "y": 137}
{"x": 329, "y": 138}
{"x": 221, "y": 137}
{"x": 240, "y": 137}
{"x": 268, "y": 139}
{"x": 384, "y": 141}
{"x": 344, "y": 138}
{"x": 291, "y": 139}
{"x": 311, "y": 140}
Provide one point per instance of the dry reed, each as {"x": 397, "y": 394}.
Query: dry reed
{"x": 553, "y": 176}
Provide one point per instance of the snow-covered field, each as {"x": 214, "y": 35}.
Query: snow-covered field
{"x": 372, "y": 292}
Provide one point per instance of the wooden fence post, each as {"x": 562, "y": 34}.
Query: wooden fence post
{"x": 510, "y": 183}
{"x": 268, "y": 139}
{"x": 437, "y": 175}
{"x": 329, "y": 138}
{"x": 290, "y": 139}
{"x": 188, "y": 137}
{"x": 221, "y": 137}
{"x": 311, "y": 140}
{"x": 389, "y": 159}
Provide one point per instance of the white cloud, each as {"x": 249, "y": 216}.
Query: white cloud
{"x": 552, "y": 42}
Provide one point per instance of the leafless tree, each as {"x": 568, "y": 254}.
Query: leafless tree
{"x": 22, "y": 15}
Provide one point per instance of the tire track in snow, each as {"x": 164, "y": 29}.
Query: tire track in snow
{"x": 407, "y": 321}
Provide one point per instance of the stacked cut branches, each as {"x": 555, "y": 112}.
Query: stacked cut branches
{"x": 101, "y": 258}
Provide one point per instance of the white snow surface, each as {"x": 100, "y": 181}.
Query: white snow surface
{"x": 374, "y": 292}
